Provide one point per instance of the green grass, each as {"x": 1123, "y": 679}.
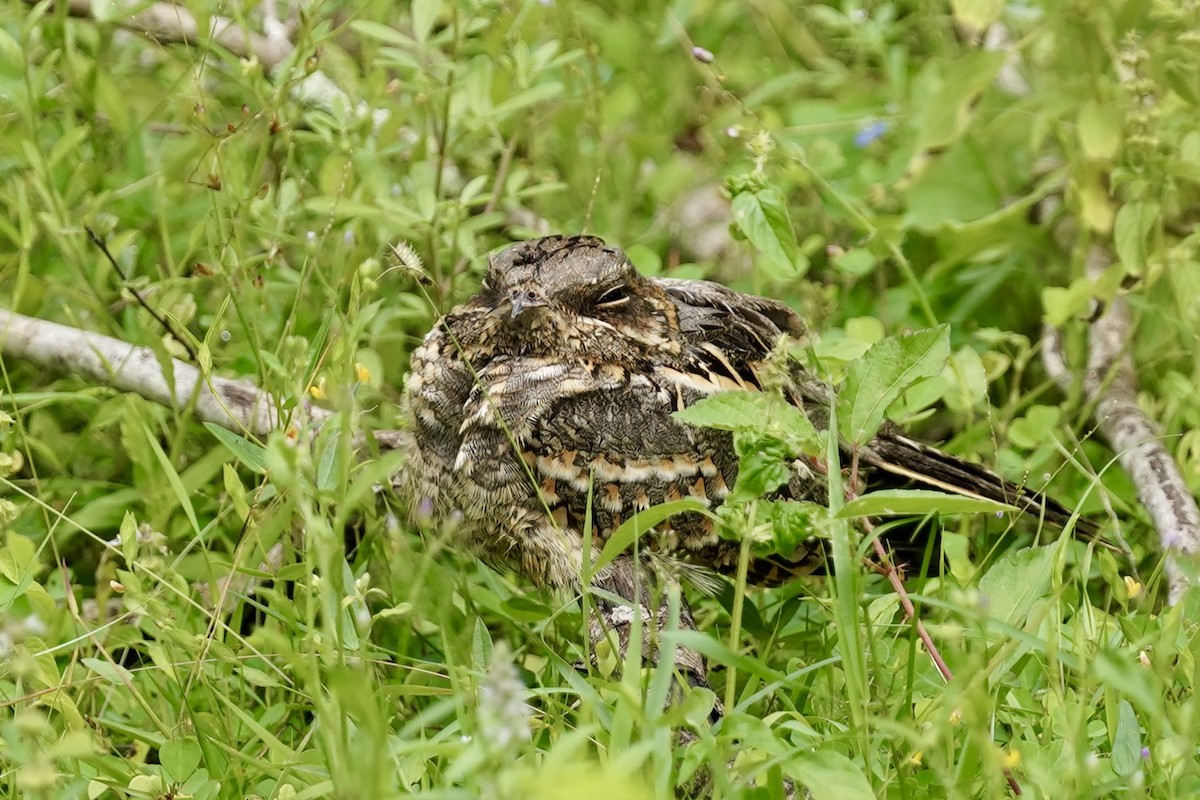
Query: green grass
{"x": 258, "y": 223}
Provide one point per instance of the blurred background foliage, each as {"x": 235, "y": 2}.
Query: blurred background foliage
{"x": 881, "y": 166}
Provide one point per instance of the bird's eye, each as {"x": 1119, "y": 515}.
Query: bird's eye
{"x": 613, "y": 297}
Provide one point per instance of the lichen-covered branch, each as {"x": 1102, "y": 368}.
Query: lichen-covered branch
{"x": 235, "y": 404}
{"x": 168, "y": 23}
{"x": 1110, "y": 384}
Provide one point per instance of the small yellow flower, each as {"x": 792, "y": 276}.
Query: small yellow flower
{"x": 1012, "y": 759}
{"x": 915, "y": 758}
{"x": 292, "y": 433}
{"x": 956, "y": 716}
{"x": 1133, "y": 587}
{"x": 317, "y": 390}
{"x": 361, "y": 372}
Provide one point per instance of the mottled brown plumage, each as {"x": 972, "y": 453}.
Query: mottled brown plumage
{"x": 558, "y": 381}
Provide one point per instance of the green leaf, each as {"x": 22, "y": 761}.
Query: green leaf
{"x": 977, "y": 14}
{"x": 1099, "y": 131}
{"x": 947, "y": 114}
{"x": 179, "y": 758}
{"x": 762, "y": 216}
{"x": 793, "y": 523}
{"x": 172, "y": 475}
{"x": 889, "y": 367}
{"x": 424, "y": 12}
{"x": 908, "y": 502}
{"x": 1130, "y": 232}
{"x": 247, "y": 452}
{"x": 481, "y": 645}
{"x": 1127, "y": 742}
{"x": 624, "y": 536}
{"x": 829, "y": 775}
{"x": 1016, "y": 582}
{"x": 113, "y": 673}
{"x": 762, "y": 467}
{"x": 761, "y": 413}
{"x": 534, "y": 94}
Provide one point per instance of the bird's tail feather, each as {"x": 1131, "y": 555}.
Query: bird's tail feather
{"x": 928, "y": 466}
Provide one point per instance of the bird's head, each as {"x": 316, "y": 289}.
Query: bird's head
{"x": 570, "y": 295}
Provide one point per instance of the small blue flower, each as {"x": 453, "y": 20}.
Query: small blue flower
{"x": 1145, "y": 753}
{"x": 870, "y": 133}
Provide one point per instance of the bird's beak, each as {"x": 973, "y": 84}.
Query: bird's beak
{"x": 522, "y": 300}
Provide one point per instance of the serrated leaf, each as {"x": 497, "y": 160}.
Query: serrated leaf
{"x": 906, "y": 502}
{"x": 889, "y": 367}
{"x": 793, "y": 523}
{"x": 761, "y": 467}
{"x": 761, "y": 413}
{"x": 1014, "y": 583}
{"x": 762, "y": 216}
{"x": 247, "y": 452}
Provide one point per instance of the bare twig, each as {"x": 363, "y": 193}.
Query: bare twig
{"x": 141, "y": 300}
{"x": 234, "y": 404}
{"x": 1110, "y": 384}
{"x": 168, "y": 23}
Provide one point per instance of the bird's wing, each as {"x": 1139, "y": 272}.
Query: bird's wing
{"x": 729, "y": 329}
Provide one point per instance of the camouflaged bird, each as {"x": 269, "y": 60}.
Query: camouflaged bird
{"x": 551, "y": 392}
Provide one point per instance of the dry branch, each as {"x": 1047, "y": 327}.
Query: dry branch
{"x": 1110, "y": 384}
{"x": 234, "y": 404}
{"x": 167, "y": 23}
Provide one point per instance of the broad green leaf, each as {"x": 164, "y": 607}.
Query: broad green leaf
{"x": 1099, "y": 131}
{"x": 1095, "y": 202}
{"x": 1132, "y": 228}
{"x": 113, "y": 673}
{"x": 762, "y": 467}
{"x": 906, "y": 502}
{"x": 889, "y": 367}
{"x": 424, "y": 12}
{"x": 247, "y": 452}
{"x": 977, "y": 14}
{"x": 762, "y": 216}
{"x": 946, "y": 115}
{"x": 1016, "y": 582}
{"x": 1127, "y": 743}
{"x": 762, "y": 413}
{"x": 624, "y": 536}
{"x": 829, "y": 775}
{"x": 179, "y": 758}
{"x": 793, "y": 523}
{"x": 1037, "y": 427}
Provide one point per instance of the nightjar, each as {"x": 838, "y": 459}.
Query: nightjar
{"x": 547, "y": 398}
